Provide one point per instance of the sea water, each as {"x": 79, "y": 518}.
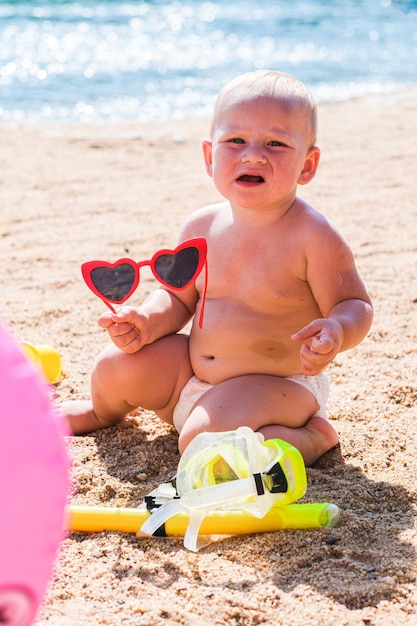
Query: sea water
{"x": 124, "y": 60}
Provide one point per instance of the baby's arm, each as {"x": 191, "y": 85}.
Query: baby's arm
{"x": 162, "y": 313}
{"x": 342, "y": 298}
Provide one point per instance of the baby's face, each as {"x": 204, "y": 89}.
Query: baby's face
{"x": 258, "y": 152}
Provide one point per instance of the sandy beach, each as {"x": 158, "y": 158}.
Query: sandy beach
{"x": 71, "y": 193}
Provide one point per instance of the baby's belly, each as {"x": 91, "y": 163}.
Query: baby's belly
{"x": 237, "y": 339}
{"x": 220, "y": 356}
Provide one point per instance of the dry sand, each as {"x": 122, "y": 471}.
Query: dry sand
{"x": 70, "y": 193}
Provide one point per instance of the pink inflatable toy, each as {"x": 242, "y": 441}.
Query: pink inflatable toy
{"x": 34, "y": 485}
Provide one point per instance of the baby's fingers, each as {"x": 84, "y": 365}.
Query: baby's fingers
{"x": 309, "y": 331}
{"x": 119, "y": 330}
{"x": 129, "y": 341}
{"x": 312, "y": 362}
{"x": 323, "y": 344}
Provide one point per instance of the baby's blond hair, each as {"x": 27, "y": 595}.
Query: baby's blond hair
{"x": 289, "y": 92}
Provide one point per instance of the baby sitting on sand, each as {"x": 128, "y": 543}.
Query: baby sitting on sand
{"x": 283, "y": 298}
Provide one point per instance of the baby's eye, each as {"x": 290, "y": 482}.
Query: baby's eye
{"x": 276, "y": 143}
{"x": 237, "y": 140}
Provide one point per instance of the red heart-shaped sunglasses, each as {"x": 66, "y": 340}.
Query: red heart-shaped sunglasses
{"x": 175, "y": 269}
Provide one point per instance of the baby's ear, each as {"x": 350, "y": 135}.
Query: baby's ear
{"x": 208, "y": 156}
{"x": 310, "y": 166}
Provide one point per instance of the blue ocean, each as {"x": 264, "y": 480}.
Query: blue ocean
{"x": 115, "y": 60}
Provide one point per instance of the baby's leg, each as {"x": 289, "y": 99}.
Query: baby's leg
{"x": 312, "y": 440}
{"x": 277, "y": 407}
{"x": 151, "y": 378}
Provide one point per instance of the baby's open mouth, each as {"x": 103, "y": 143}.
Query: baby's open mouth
{"x": 247, "y": 178}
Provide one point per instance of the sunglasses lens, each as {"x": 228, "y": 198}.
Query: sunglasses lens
{"x": 176, "y": 270}
{"x": 114, "y": 284}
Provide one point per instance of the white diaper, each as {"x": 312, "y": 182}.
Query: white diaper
{"x": 317, "y": 385}
{"x": 193, "y": 390}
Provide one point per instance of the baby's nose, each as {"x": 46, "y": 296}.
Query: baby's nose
{"x": 254, "y": 154}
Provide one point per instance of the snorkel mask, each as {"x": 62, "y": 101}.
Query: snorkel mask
{"x": 225, "y": 471}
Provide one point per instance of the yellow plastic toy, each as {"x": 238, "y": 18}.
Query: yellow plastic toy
{"x": 46, "y": 358}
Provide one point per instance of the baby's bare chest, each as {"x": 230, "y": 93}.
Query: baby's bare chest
{"x": 258, "y": 275}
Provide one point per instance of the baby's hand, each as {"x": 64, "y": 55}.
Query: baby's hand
{"x": 321, "y": 340}
{"x": 128, "y": 329}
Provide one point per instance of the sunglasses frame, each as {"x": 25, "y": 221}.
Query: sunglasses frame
{"x": 198, "y": 242}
